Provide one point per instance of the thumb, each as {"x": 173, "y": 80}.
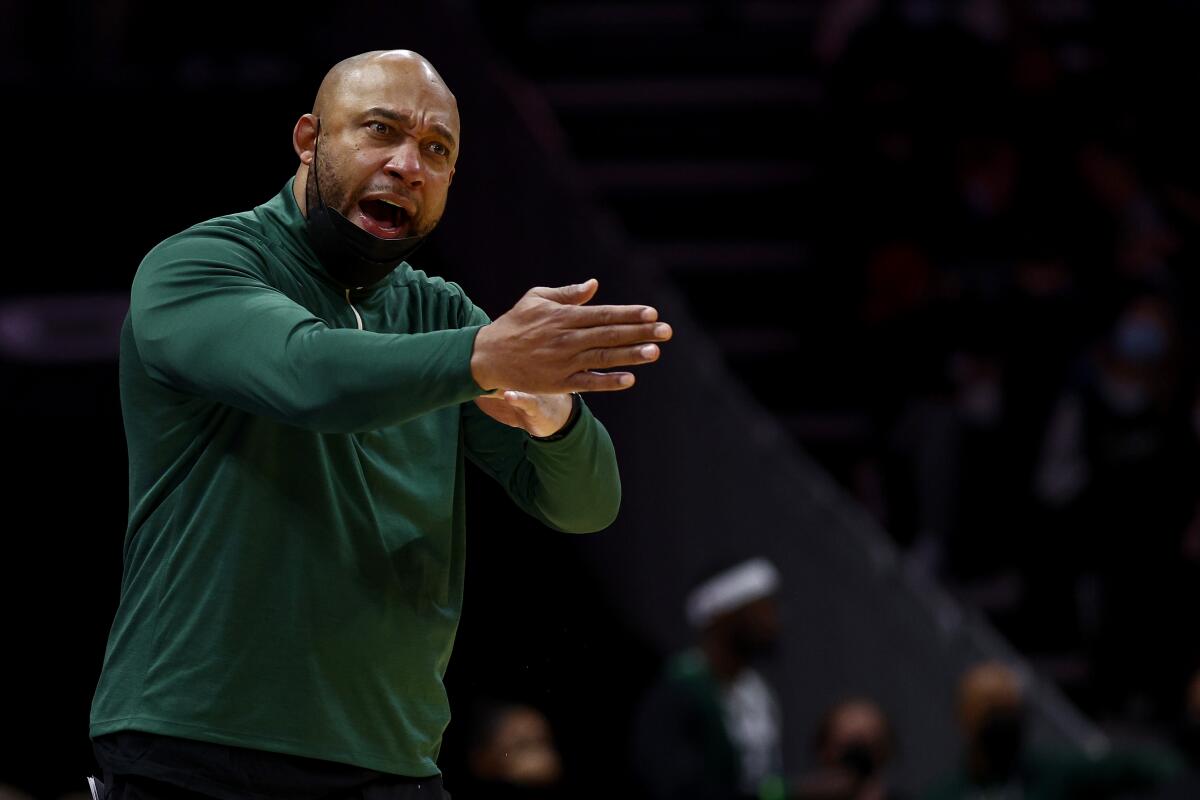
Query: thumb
{"x": 574, "y": 295}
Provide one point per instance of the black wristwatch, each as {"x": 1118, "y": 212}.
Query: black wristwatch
{"x": 572, "y": 418}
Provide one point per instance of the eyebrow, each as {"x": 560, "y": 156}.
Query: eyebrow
{"x": 407, "y": 120}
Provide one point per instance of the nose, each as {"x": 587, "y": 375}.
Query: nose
{"x": 406, "y": 163}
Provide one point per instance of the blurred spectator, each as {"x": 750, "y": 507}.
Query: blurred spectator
{"x": 999, "y": 764}
{"x": 1144, "y": 241}
{"x": 710, "y": 728}
{"x": 512, "y": 755}
{"x": 13, "y": 793}
{"x": 1115, "y": 472}
{"x": 854, "y": 745}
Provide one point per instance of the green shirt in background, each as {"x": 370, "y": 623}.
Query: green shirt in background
{"x": 293, "y": 562}
{"x": 1045, "y": 775}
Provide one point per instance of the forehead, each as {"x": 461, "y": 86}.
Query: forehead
{"x": 407, "y": 87}
{"x": 858, "y": 718}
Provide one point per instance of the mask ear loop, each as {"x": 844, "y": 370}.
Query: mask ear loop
{"x": 313, "y": 167}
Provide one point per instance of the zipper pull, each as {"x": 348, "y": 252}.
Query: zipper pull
{"x": 355, "y": 310}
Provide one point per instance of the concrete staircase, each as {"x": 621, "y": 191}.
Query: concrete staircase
{"x": 697, "y": 125}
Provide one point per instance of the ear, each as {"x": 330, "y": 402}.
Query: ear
{"x": 304, "y": 138}
{"x": 450, "y": 178}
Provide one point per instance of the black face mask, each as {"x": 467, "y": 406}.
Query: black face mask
{"x": 1188, "y": 736}
{"x": 1000, "y": 738}
{"x": 354, "y": 257}
{"x": 859, "y": 758}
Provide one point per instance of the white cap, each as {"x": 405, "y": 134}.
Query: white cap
{"x": 735, "y": 587}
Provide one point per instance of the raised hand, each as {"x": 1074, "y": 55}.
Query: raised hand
{"x": 550, "y": 342}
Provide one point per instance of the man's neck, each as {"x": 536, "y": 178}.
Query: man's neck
{"x": 724, "y": 663}
{"x": 298, "y": 187}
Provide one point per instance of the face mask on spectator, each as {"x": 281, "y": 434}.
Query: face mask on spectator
{"x": 1000, "y": 739}
{"x": 859, "y": 758}
{"x": 1189, "y": 738}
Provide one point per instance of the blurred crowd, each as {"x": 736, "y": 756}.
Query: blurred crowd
{"x": 1014, "y": 217}
{"x": 710, "y": 728}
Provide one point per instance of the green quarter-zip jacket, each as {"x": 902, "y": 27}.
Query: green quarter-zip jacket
{"x": 294, "y": 556}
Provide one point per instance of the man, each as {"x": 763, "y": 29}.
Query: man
{"x": 298, "y": 404}
{"x": 512, "y": 755}
{"x": 854, "y": 745}
{"x": 711, "y": 729}
{"x": 999, "y": 765}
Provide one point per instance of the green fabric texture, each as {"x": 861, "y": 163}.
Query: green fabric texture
{"x": 689, "y": 672}
{"x": 294, "y": 556}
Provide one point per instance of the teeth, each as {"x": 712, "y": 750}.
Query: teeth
{"x": 392, "y": 203}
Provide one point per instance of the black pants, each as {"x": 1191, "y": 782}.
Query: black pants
{"x": 144, "y": 766}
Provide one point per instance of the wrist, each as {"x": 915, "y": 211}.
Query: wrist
{"x": 572, "y": 418}
{"x": 480, "y": 371}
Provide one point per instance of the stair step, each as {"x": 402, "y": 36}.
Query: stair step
{"x": 715, "y": 212}
{"x": 659, "y": 177}
{"x": 655, "y": 19}
{"x": 782, "y": 132}
{"x": 756, "y": 341}
{"x": 727, "y": 92}
{"x": 743, "y": 256}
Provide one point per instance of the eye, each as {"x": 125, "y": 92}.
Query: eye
{"x": 378, "y": 127}
{"x": 439, "y": 148}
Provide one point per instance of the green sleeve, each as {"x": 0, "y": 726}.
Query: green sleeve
{"x": 206, "y": 323}
{"x": 571, "y": 485}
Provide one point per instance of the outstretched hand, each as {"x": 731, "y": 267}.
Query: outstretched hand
{"x": 551, "y": 343}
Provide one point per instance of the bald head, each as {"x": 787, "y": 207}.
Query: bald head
{"x": 367, "y": 70}
{"x": 384, "y": 133}
{"x": 988, "y": 688}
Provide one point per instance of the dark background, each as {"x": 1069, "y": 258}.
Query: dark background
{"x": 894, "y": 237}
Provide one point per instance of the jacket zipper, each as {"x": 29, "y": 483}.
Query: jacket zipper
{"x": 355, "y": 310}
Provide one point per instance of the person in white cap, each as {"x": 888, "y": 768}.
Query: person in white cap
{"x": 710, "y": 728}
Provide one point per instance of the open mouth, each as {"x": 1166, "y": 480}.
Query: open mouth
{"x": 384, "y": 219}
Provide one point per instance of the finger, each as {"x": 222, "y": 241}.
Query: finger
{"x": 617, "y": 335}
{"x": 522, "y": 400}
{"x": 607, "y": 357}
{"x": 575, "y": 294}
{"x": 596, "y": 316}
{"x": 591, "y": 381}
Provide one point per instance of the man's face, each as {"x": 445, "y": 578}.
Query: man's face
{"x": 856, "y": 725}
{"x": 755, "y": 628}
{"x": 386, "y": 149}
